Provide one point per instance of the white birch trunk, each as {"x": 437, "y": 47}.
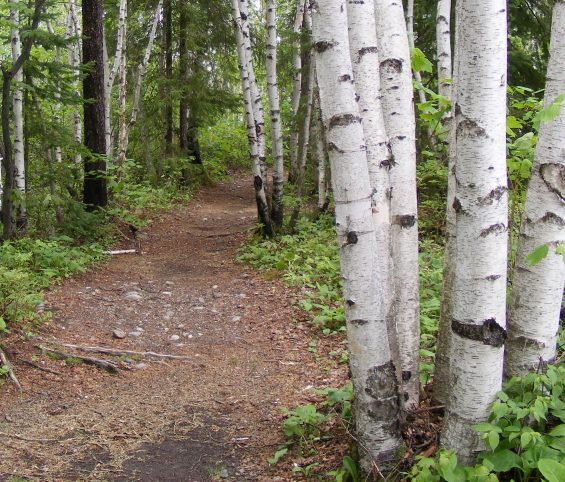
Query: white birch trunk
{"x": 537, "y": 290}
{"x": 321, "y": 154}
{"x": 122, "y": 91}
{"x": 275, "y": 111}
{"x": 296, "y": 84}
{"x": 111, "y": 73}
{"x": 445, "y": 76}
{"x": 373, "y": 373}
{"x": 365, "y": 57}
{"x": 398, "y": 111}
{"x": 17, "y": 109}
{"x": 479, "y": 295}
{"x": 257, "y": 102}
{"x": 258, "y": 181}
{"x": 141, "y": 71}
{"x": 75, "y": 60}
{"x": 57, "y": 149}
{"x": 443, "y": 40}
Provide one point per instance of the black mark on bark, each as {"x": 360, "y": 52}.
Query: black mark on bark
{"x": 323, "y": 46}
{"x": 352, "y": 237}
{"x": 493, "y": 229}
{"x": 495, "y": 195}
{"x": 392, "y": 65}
{"x": 405, "y": 221}
{"x": 342, "y": 120}
{"x": 489, "y": 332}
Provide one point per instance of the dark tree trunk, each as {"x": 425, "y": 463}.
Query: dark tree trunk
{"x": 95, "y": 192}
{"x": 168, "y": 19}
{"x": 183, "y": 62}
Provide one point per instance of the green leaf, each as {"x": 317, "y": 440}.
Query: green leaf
{"x": 484, "y": 427}
{"x": 552, "y": 470}
{"x": 278, "y": 454}
{"x": 549, "y": 113}
{"x": 493, "y": 439}
{"x": 351, "y": 468}
{"x": 504, "y": 460}
{"x": 419, "y": 61}
{"x": 537, "y": 255}
{"x": 558, "y": 431}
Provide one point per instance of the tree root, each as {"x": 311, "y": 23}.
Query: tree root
{"x": 7, "y": 365}
{"x": 106, "y": 365}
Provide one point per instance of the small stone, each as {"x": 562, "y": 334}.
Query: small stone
{"x": 169, "y": 283}
{"x": 140, "y": 366}
{"x": 236, "y": 318}
{"x": 167, "y": 293}
{"x": 241, "y": 296}
{"x": 119, "y": 334}
{"x": 201, "y": 300}
{"x": 198, "y": 308}
{"x": 224, "y": 473}
{"x": 169, "y": 315}
{"x": 135, "y": 333}
{"x": 215, "y": 287}
{"x": 133, "y": 296}
{"x": 216, "y": 295}
{"x": 174, "y": 338}
{"x": 181, "y": 325}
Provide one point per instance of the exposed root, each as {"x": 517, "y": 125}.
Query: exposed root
{"x": 109, "y": 366}
{"x": 7, "y": 365}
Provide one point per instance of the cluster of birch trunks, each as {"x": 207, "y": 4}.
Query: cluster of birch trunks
{"x": 359, "y": 74}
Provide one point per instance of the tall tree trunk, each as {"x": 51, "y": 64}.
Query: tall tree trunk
{"x": 296, "y": 87}
{"x": 168, "y": 46}
{"x": 537, "y": 290}
{"x": 183, "y": 64}
{"x": 398, "y": 112}
{"x": 321, "y": 154}
{"x": 18, "y": 121}
{"x": 277, "y": 210}
{"x": 479, "y": 295}
{"x": 445, "y": 76}
{"x": 57, "y": 153}
{"x": 374, "y": 380}
{"x": 263, "y": 211}
{"x": 10, "y": 173}
{"x": 122, "y": 90}
{"x": 141, "y": 71}
{"x": 75, "y": 59}
{"x": 111, "y": 73}
{"x": 95, "y": 193}
{"x": 364, "y": 54}
{"x": 257, "y": 103}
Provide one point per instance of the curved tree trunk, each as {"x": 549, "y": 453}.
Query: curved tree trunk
{"x": 398, "y": 111}
{"x": 365, "y": 57}
{"x": 537, "y": 290}
{"x": 373, "y": 373}
{"x": 263, "y": 211}
{"x": 275, "y": 111}
{"x": 479, "y": 295}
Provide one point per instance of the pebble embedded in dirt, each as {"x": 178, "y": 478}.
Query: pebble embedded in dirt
{"x": 133, "y": 296}
{"x": 119, "y": 334}
{"x": 135, "y": 334}
{"x": 174, "y": 338}
{"x": 236, "y": 318}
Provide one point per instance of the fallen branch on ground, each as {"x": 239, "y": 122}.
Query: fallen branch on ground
{"x": 27, "y": 439}
{"x": 112, "y": 351}
{"x": 109, "y": 366}
{"x": 122, "y": 251}
{"x": 39, "y": 367}
{"x": 6, "y": 364}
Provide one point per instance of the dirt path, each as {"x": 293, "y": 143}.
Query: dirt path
{"x": 214, "y": 416}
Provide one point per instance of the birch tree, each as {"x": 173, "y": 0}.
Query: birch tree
{"x": 275, "y": 115}
{"x": 75, "y": 60}
{"x": 373, "y": 372}
{"x": 479, "y": 294}
{"x": 537, "y": 289}
{"x": 258, "y": 179}
{"x": 18, "y": 117}
{"x": 365, "y": 57}
{"x": 398, "y": 112}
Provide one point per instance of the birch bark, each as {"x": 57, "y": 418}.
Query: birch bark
{"x": 398, "y": 112}
{"x": 373, "y": 373}
{"x": 321, "y": 154}
{"x": 111, "y": 73}
{"x": 479, "y": 295}
{"x": 275, "y": 111}
{"x": 445, "y": 76}
{"x": 537, "y": 290}
{"x": 141, "y": 71}
{"x": 75, "y": 59}
{"x": 296, "y": 86}
{"x": 18, "y": 117}
{"x": 258, "y": 180}
{"x": 365, "y": 57}
{"x": 122, "y": 90}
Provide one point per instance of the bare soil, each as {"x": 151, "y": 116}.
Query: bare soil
{"x": 213, "y": 416}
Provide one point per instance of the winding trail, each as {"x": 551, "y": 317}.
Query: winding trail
{"x": 213, "y": 416}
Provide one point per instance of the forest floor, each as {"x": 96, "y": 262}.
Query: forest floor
{"x": 214, "y": 415}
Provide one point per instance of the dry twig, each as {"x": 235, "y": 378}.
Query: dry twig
{"x": 7, "y": 365}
